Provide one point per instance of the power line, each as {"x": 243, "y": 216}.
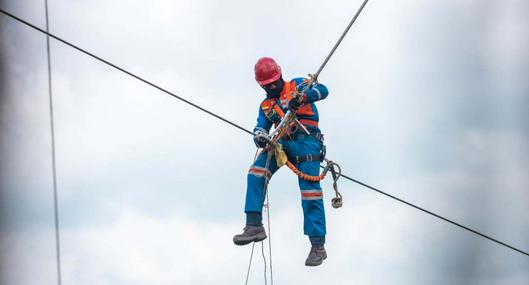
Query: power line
{"x": 341, "y": 38}
{"x": 435, "y": 215}
{"x": 125, "y": 71}
{"x": 249, "y": 132}
{"x": 53, "y": 156}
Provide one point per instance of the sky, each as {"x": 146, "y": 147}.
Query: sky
{"x": 429, "y": 101}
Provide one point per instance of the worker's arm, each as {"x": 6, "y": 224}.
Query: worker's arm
{"x": 263, "y": 125}
{"x": 316, "y": 93}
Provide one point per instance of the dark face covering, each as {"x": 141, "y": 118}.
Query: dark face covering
{"x": 273, "y": 90}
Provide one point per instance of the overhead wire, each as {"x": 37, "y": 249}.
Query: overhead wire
{"x": 126, "y": 71}
{"x": 53, "y": 155}
{"x": 341, "y": 38}
{"x": 249, "y": 132}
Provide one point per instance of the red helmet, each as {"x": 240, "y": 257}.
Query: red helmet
{"x": 267, "y": 71}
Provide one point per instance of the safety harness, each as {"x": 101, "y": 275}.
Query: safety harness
{"x": 287, "y": 127}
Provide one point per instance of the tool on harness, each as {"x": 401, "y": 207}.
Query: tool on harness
{"x": 281, "y": 156}
{"x": 337, "y": 201}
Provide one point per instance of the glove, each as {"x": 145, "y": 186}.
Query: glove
{"x": 258, "y": 139}
{"x": 295, "y": 103}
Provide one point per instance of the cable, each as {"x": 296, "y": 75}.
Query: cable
{"x": 435, "y": 215}
{"x": 53, "y": 160}
{"x": 340, "y": 39}
{"x": 249, "y": 132}
{"x": 126, "y": 71}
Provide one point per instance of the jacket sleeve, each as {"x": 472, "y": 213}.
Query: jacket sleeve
{"x": 263, "y": 123}
{"x": 316, "y": 93}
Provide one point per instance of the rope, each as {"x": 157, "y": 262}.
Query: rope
{"x": 53, "y": 159}
{"x": 268, "y": 158}
{"x": 264, "y": 260}
{"x": 249, "y": 132}
{"x": 269, "y": 238}
{"x": 267, "y": 206}
{"x": 249, "y": 264}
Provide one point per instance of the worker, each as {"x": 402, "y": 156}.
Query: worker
{"x": 303, "y": 150}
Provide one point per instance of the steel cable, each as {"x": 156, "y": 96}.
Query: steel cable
{"x": 53, "y": 156}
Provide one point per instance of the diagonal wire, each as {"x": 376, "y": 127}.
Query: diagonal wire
{"x": 126, "y": 71}
{"x": 341, "y": 38}
{"x": 435, "y": 215}
{"x": 249, "y": 132}
{"x": 53, "y": 160}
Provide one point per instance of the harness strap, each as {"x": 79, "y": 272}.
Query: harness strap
{"x": 306, "y": 158}
{"x": 308, "y": 122}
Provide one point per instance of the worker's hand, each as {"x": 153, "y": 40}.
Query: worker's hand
{"x": 259, "y": 138}
{"x": 295, "y": 103}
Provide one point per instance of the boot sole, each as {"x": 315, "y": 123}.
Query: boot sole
{"x": 258, "y": 237}
{"x": 314, "y": 264}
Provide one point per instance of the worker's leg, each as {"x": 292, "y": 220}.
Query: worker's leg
{"x": 311, "y": 192}
{"x": 258, "y": 175}
{"x": 255, "y": 193}
{"x": 311, "y": 199}
{"x": 312, "y": 204}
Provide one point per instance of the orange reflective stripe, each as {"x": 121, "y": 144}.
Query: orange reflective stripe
{"x": 260, "y": 171}
{"x": 317, "y": 194}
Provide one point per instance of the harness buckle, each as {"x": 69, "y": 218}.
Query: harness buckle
{"x": 323, "y": 152}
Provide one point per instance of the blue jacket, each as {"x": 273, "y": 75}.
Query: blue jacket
{"x": 271, "y": 110}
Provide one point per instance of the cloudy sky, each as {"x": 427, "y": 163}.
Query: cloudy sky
{"x": 429, "y": 101}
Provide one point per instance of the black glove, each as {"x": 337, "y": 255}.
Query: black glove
{"x": 295, "y": 103}
{"x": 259, "y": 141}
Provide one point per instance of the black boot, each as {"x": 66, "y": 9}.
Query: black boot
{"x": 250, "y": 234}
{"x": 316, "y": 256}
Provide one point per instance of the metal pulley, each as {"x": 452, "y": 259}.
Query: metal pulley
{"x": 337, "y": 201}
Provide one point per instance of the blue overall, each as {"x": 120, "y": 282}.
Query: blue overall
{"x": 311, "y": 193}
